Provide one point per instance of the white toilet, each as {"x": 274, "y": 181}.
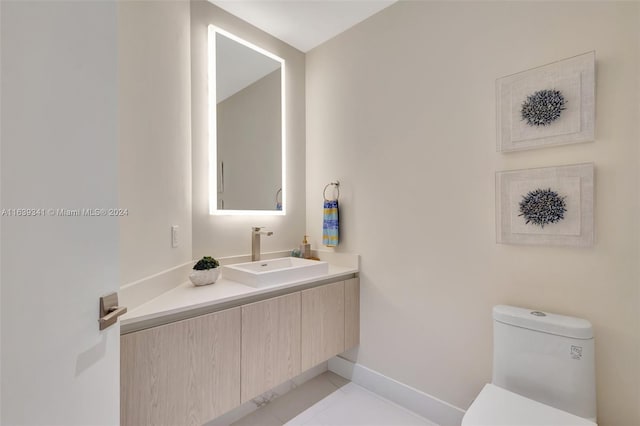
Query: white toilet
{"x": 543, "y": 372}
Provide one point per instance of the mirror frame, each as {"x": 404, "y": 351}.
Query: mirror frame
{"x": 213, "y": 131}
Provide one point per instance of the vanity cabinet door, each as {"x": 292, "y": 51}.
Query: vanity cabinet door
{"x": 322, "y": 323}
{"x": 351, "y": 313}
{"x": 270, "y": 344}
{"x": 183, "y": 373}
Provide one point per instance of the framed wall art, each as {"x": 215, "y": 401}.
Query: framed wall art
{"x": 550, "y": 105}
{"x": 546, "y": 206}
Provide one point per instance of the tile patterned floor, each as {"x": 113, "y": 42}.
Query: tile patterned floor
{"x": 331, "y": 400}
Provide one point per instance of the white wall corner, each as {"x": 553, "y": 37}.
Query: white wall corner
{"x": 423, "y": 404}
{"x": 141, "y": 291}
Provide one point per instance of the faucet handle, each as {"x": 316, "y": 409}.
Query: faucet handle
{"x": 259, "y": 230}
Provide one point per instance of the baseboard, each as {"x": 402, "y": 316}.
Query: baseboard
{"x": 141, "y": 291}
{"x": 425, "y": 405}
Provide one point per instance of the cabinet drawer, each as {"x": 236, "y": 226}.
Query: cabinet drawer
{"x": 185, "y": 373}
{"x": 270, "y": 344}
{"x": 351, "y": 313}
{"x": 322, "y": 323}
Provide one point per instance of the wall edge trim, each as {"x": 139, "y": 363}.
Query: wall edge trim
{"x": 421, "y": 403}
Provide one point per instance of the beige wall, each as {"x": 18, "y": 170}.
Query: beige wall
{"x": 162, "y": 163}
{"x": 154, "y": 110}
{"x": 231, "y": 235}
{"x": 401, "y": 109}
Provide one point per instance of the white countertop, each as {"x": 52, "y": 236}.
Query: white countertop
{"x": 187, "y": 300}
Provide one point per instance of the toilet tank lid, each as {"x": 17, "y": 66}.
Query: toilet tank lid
{"x": 545, "y": 322}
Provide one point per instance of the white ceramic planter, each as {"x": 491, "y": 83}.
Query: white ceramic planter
{"x": 204, "y": 277}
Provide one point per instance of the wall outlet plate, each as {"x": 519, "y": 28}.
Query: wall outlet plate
{"x": 174, "y": 236}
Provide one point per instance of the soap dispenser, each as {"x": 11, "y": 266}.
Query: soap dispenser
{"x": 305, "y": 248}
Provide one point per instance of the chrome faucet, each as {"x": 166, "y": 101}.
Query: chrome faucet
{"x": 255, "y": 242}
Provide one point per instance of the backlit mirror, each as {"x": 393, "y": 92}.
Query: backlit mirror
{"x": 246, "y": 127}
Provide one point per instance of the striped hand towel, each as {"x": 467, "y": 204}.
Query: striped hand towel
{"x": 330, "y": 223}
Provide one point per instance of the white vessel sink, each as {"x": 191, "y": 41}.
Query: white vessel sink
{"x": 265, "y": 273}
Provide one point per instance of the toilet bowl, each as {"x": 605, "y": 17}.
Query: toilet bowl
{"x": 543, "y": 372}
{"x": 495, "y": 406}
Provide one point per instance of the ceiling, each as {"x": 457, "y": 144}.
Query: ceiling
{"x": 304, "y": 24}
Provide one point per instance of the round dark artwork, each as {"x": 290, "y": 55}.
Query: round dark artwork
{"x": 543, "y": 107}
{"x": 542, "y": 207}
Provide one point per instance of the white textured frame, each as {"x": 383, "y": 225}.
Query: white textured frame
{"x": 576, "y": 124}
{"x": 577, "y": 230}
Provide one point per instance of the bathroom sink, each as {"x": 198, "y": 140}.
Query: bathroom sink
{"x": 265, "y": 273}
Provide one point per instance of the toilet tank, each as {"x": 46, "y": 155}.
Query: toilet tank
{"x": 545, "y": 357}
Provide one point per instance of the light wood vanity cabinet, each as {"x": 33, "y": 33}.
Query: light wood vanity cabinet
{"x": 183, "y": 373}
{"x": 322, "y": 323}
{"x": 270, "y": 344}
{"x": 351, "y": 313}
{"x": 191, "y": 371}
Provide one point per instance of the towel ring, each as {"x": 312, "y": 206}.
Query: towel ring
{"x": 336, "y": 184}
{"x": 278, "y": 196}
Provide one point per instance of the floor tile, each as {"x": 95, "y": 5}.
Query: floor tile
{"x": 338, "y": 381}
{"x": 302, "y": 397}
{"x": 354, "y": 406}
{"x": 261, "y": 417}
{"x": 330, "y": 400}
{"x": 310, "y": 413}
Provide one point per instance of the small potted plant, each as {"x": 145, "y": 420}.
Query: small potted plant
{"x": 205, "y": 272}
